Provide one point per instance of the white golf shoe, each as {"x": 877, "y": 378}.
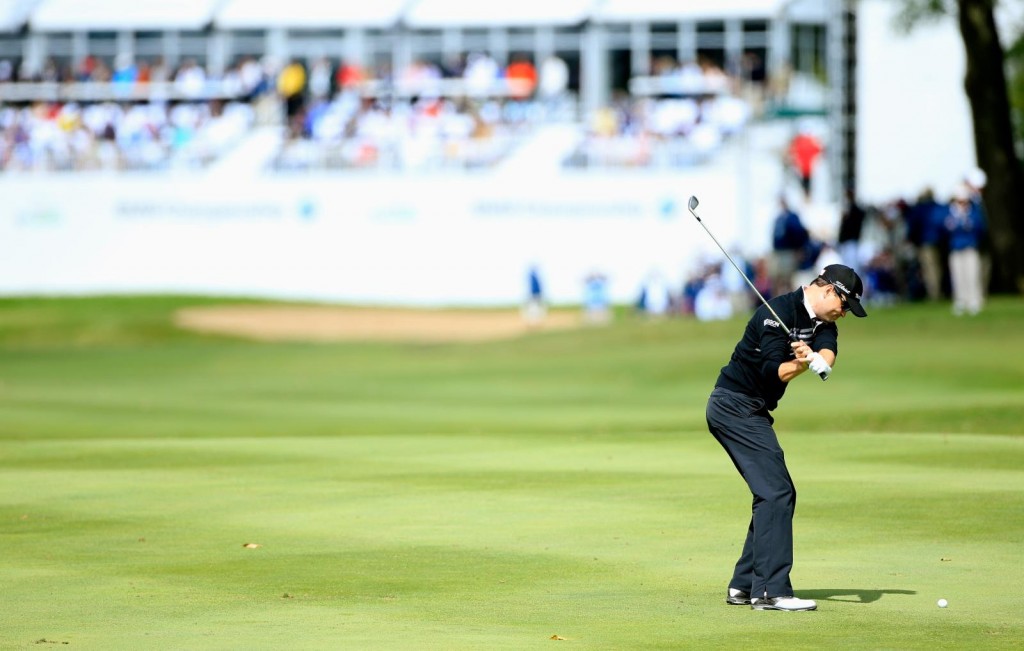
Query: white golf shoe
{"x": 791, "y": 604}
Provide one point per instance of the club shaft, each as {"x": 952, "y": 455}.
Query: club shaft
{"x": 737, "y": 267}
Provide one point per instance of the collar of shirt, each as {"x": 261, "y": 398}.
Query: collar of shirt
{"x": 807, "y": 306}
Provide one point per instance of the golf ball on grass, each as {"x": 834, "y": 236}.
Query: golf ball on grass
{"x": 943, "y": 603}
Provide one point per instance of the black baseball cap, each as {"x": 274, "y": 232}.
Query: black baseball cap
{"x": 847, "y": 282}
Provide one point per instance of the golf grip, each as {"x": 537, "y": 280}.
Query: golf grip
{"x": 792, "y": 337}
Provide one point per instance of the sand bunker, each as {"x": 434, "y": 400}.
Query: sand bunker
{"x": 328, "y": 323}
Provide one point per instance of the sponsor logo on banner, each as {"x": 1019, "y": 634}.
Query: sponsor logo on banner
{"x": 39, "y": 218}
{"x": 518, "y": 208}
{"x": 198, "y": 210}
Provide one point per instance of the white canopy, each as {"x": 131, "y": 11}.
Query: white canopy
{"x": 480, "y": 13}
{"x": 298, "y": 14}
{"x": 621, "y": 11}
{"x": 14, "y": 14}
{"x": 80, "y": 15}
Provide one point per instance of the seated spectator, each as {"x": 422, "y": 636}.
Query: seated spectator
{"x": 712, "y": 302}
{"x": 522, "y": 77}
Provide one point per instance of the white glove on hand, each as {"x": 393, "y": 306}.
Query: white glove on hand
{"x": 817, "y": 363}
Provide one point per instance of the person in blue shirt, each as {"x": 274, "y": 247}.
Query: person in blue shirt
{"x": 924, "y": 233}
{"x": 964, "y": 226}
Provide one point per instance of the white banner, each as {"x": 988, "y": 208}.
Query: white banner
{"x": 431, "y": 239}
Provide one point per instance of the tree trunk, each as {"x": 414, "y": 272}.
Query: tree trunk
{"x": 985, "y": 83}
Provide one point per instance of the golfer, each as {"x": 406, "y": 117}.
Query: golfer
{"x": 739, "y": 416}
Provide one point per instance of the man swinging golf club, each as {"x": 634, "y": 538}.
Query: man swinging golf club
{"x": 785, "y": 337}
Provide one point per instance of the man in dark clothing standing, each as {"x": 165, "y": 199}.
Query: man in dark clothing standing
{"x": 749, "y": 387}
{"x": 789, "y": 239}
{"x": 851, "y": 223}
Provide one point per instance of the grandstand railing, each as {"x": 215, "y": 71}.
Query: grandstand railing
{"x": 92, "y": 91}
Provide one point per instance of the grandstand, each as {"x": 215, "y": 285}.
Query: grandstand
{"x": 537, "y": 125}
{"x": 579, "y": 57}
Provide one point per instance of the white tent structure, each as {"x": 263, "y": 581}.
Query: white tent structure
{"x": 673, "y": 10}
{"x": 111, "y": 15}
{"x": 459, "y": 13}
{"x": 308, "y": 14}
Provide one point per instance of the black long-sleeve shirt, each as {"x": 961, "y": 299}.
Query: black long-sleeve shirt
{"x": 753, "y": 369}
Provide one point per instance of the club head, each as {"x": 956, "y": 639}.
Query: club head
{"x": 693, "y": 203}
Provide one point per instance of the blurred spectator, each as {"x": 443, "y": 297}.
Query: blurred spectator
{"x": 52, "y": 72}
{"x": 924, "y": 238}
{"x": 145, "y": 72}
{"x": 596, "y": 304}
{"x": 789, "y": 241}
{"x": 754, "y": 77}
{"x": 804, "y": 150}
{"x": 159, "y": 72}
{"x": 655, "y": 299}
{"x": 762, "y": 278}
{"x": 349, "y": 75}
{"x": 975, "y": 180}
{"x": 734, "y": 284}
{"x": 535, "y": 307}
{"x": 716, "y": 82}
{"x": 481, "y": 74}
{"x": 851, "y": 223}
{"x": 904, "y": 257}
{"x": 965, "y": 227}
{"x": 420, "y": 77}
{"x": 320, "y": 79}
{"x": 712, "y": 302}
{"x": 522, "y": 77}
{"x": 190, "y": 80}
{"x": 291, "y": 87}
{"x": 691, "y": 288}
{"x": 729, "y": 114}
{"x": 553, "y": 82}
{"x": 251, "y": 78}
{"x": 125, "y": 70}
{"x": 827, "y": 255}
{"x": 691, "y": 78}
{"x": 880, "y": 284}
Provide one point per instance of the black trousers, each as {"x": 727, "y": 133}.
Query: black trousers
{"x": 744, "y": 428}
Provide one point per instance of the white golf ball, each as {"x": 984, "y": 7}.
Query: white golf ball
{"x": 943, "y": 603}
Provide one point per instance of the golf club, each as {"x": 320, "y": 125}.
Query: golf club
{"x": 692, "y": 205}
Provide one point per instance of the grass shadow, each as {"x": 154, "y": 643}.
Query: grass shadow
{"x": 850, "y": 595}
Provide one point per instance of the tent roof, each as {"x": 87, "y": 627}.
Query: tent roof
{"x": 78, "y": 15}
{"x": 674, "y": 10}
{"x": 253, "y": 14}
{"x": 477, "y": 13}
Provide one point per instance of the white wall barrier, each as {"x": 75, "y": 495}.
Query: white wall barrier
{"x": 463, "y": 239}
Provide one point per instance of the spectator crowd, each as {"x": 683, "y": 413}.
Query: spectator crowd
{"x": 924, "y": 249}
{"x": 466, "y": 112}
{"x": 679, "y": 116}
{"x": 185, "y": 120}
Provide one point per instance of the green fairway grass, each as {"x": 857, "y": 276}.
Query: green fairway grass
{"x": 559, "y": 490}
